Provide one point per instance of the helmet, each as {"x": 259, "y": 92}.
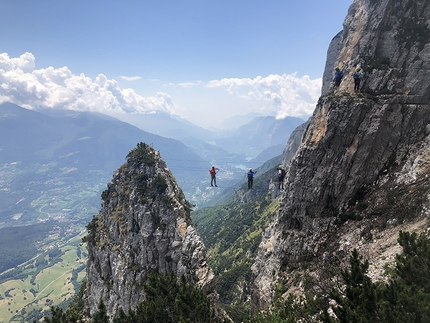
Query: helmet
{"x": 337, "y": 68}
{"x": 280, "y": 166}
{"x": 250, "y": 169}
{"x": 358, "y": 69}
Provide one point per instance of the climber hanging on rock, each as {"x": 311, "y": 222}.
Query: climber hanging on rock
{"x": 213, "y": 172}
{"x": 281, "y": 176}
{"x": 357, "y": 78}
{"x": 338, "y": 74}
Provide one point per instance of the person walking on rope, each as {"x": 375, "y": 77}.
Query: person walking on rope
{"x": 281, "y": 176}
{"x": 251, "y": 178}
{"x": 213, "y": 172}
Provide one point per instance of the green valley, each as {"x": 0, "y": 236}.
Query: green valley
{"x": 50, "y": 278}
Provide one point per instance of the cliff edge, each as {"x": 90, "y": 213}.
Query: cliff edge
{"x": 361, "y": 171}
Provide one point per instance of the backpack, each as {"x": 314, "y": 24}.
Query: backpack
{"x": 282, "y": 173}
{"x": 356, "y": 76}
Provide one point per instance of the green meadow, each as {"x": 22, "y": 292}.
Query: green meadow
{"x": 51, "y": 278}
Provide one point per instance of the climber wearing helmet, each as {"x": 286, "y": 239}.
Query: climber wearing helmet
{"x": 251, "y": 178}
{"x": 338, "y": 74}
{"x": 357, "y": 78}
{"x": 281, "y": 176}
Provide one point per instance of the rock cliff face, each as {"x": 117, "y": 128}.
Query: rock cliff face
{"x": 362, "y": 170}
{"x": 144, "y": 225}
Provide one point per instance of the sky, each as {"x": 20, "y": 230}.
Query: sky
{"x": 201, "y": 60}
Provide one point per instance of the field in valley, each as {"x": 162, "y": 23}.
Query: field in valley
{"x": 51, "y": 278}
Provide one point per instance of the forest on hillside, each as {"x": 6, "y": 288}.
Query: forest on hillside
{"x": 19, "y": 244}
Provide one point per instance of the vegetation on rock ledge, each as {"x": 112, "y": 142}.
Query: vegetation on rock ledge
{"x": 167, "y": 301}
{"x": 354, "y": 297}
{"x": 143, "y": 154}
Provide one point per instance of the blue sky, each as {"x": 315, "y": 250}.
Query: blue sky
{"x": 190, "y": 58}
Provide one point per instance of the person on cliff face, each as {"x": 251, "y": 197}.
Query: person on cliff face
{"x": 357, "y": 78}
{"x": 213, "y": 172}
{"x": 281, "y": 176}
{"x": 251, "y": 178}
{"x": 338, "y": 74}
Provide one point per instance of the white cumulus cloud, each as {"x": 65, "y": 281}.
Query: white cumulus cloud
{"x": 21, "y": 83}
{"x": 288, "y": 95}
{"x": 58, "y": 88}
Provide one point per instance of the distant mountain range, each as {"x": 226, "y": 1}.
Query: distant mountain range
{"x": 69, "y": 156}
{"x": 239, "y": 120}
{"x": 260, "y": 134}
{"x": 81, "y": 139}
{"x": 67, "y": 151}
{"x": 248, "y": 140}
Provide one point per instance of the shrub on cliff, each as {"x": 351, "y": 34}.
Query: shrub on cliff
{"x": 169, "y": 301}
{"x": 142, "y": 154}
{"x": 403, "y": 299}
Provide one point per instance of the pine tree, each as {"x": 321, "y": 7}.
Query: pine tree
{"x": 407, "y": 296}
{"x": 75, "y": 310}
{"x": 169, "y": 301}
{"x": 101, "y": 315}
{"x": 404, "y": 299}
{"x": 357, "y": 301}
{"x": 57, "y": 316}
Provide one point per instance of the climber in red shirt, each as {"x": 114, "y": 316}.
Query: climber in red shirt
{"x": 213, "y": 172}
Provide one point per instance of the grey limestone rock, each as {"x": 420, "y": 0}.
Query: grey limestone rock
{"x": 144, "y": 225}
{"x": 363, "y": 155}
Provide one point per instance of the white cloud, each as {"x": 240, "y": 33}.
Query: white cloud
{"x": 24, "y": 63}
{"x": 131, "y": 78}
{"x": 22, "y": 84}
{"x": 289, "y": 95}
{"x": 58, "y": 88}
